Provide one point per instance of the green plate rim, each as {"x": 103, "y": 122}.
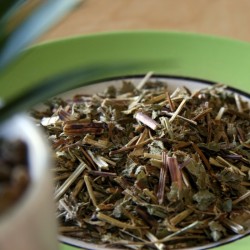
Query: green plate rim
{"x": 182, "y": 54}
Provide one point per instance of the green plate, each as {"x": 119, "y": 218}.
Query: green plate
{"x": 172, "y": 54}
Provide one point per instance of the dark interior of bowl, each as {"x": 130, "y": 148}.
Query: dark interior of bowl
{"x": 14, "y": 173}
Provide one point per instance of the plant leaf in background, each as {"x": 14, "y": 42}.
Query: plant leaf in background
{"x": 23, "y": 21}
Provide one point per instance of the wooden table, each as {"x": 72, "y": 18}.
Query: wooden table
{"x": 228, "y": 18}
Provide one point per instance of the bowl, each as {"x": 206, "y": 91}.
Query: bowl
{"x": 170, "y": 54}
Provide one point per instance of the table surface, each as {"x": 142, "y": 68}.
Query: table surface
{"x": 227, "y": 18}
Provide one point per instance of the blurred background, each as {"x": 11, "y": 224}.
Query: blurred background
{"x": 227, "y": 18}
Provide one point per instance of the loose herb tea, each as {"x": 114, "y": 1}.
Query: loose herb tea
{"x": 144, "y": 168}
{"x": 14, "y": 175}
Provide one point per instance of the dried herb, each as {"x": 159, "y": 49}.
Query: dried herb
{"x": 143, "y": 167}
{"x": 14, "y": 174}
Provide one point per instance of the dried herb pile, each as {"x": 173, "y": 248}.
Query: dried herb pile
{"x": 139, "y": 167}
{"x": 14, "y": 174}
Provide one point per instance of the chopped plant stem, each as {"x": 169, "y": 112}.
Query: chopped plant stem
{"x": 132, "y": 141}
{"x": 175, "y": 171}
{"x": 185, "y": 229}
{"x": 144, "y": 80}
{"x": 247, "y": 145}
{"x": 244, "y": 183}
{"x": 102, "y": 173}
{"x": 214, "y": 162}
{"x": 175, "y": 93}
{"x": 220, "y": 114}
{"x": 113, "y": 163}
{"x": 143, "y": 118}
{"x": 156, "y": 99}
{"x": 162, "y": 179}
{"x": 89, "y": 158}
{"x": 151, "y": 237}
{"x": 98, "y": 161}
{"x": 178, "y": 110}
{"x": 167, "y": 127}
{"x": 130, "y": 147}
{"x": 181, "y": 216}
{"x": 146, "y": 166}
{"x": 139, "y": 150}
{"x": 156, "y": 163}
{"x": 71, "y": 179}
{"x": 61, "y": 177}
{"x": 202, "y": 114}
{"x": 152, "y": 156}
{"x": 181, "y": 117}
{"x": 241, "y": 198}
{"x": 151, "y": 195}
{"x": 171, "y": 103}
{"x": 78, "y": 188}
{"x": 143, "y": 136}
{"x": 228, "y": 164}
{"x": 115, "y": 222}
{"x": 238, "y": 102}
{"x": 203, "y": 157}
{"x": 90, "y": 190}
{"x": 97, "y": 144}
{"x": 235, "y": 227}
{"x": 72, "y": 128}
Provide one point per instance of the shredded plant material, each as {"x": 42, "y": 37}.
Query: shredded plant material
{"x": 139, "y": 167}
{"x": 14, "y": 174}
